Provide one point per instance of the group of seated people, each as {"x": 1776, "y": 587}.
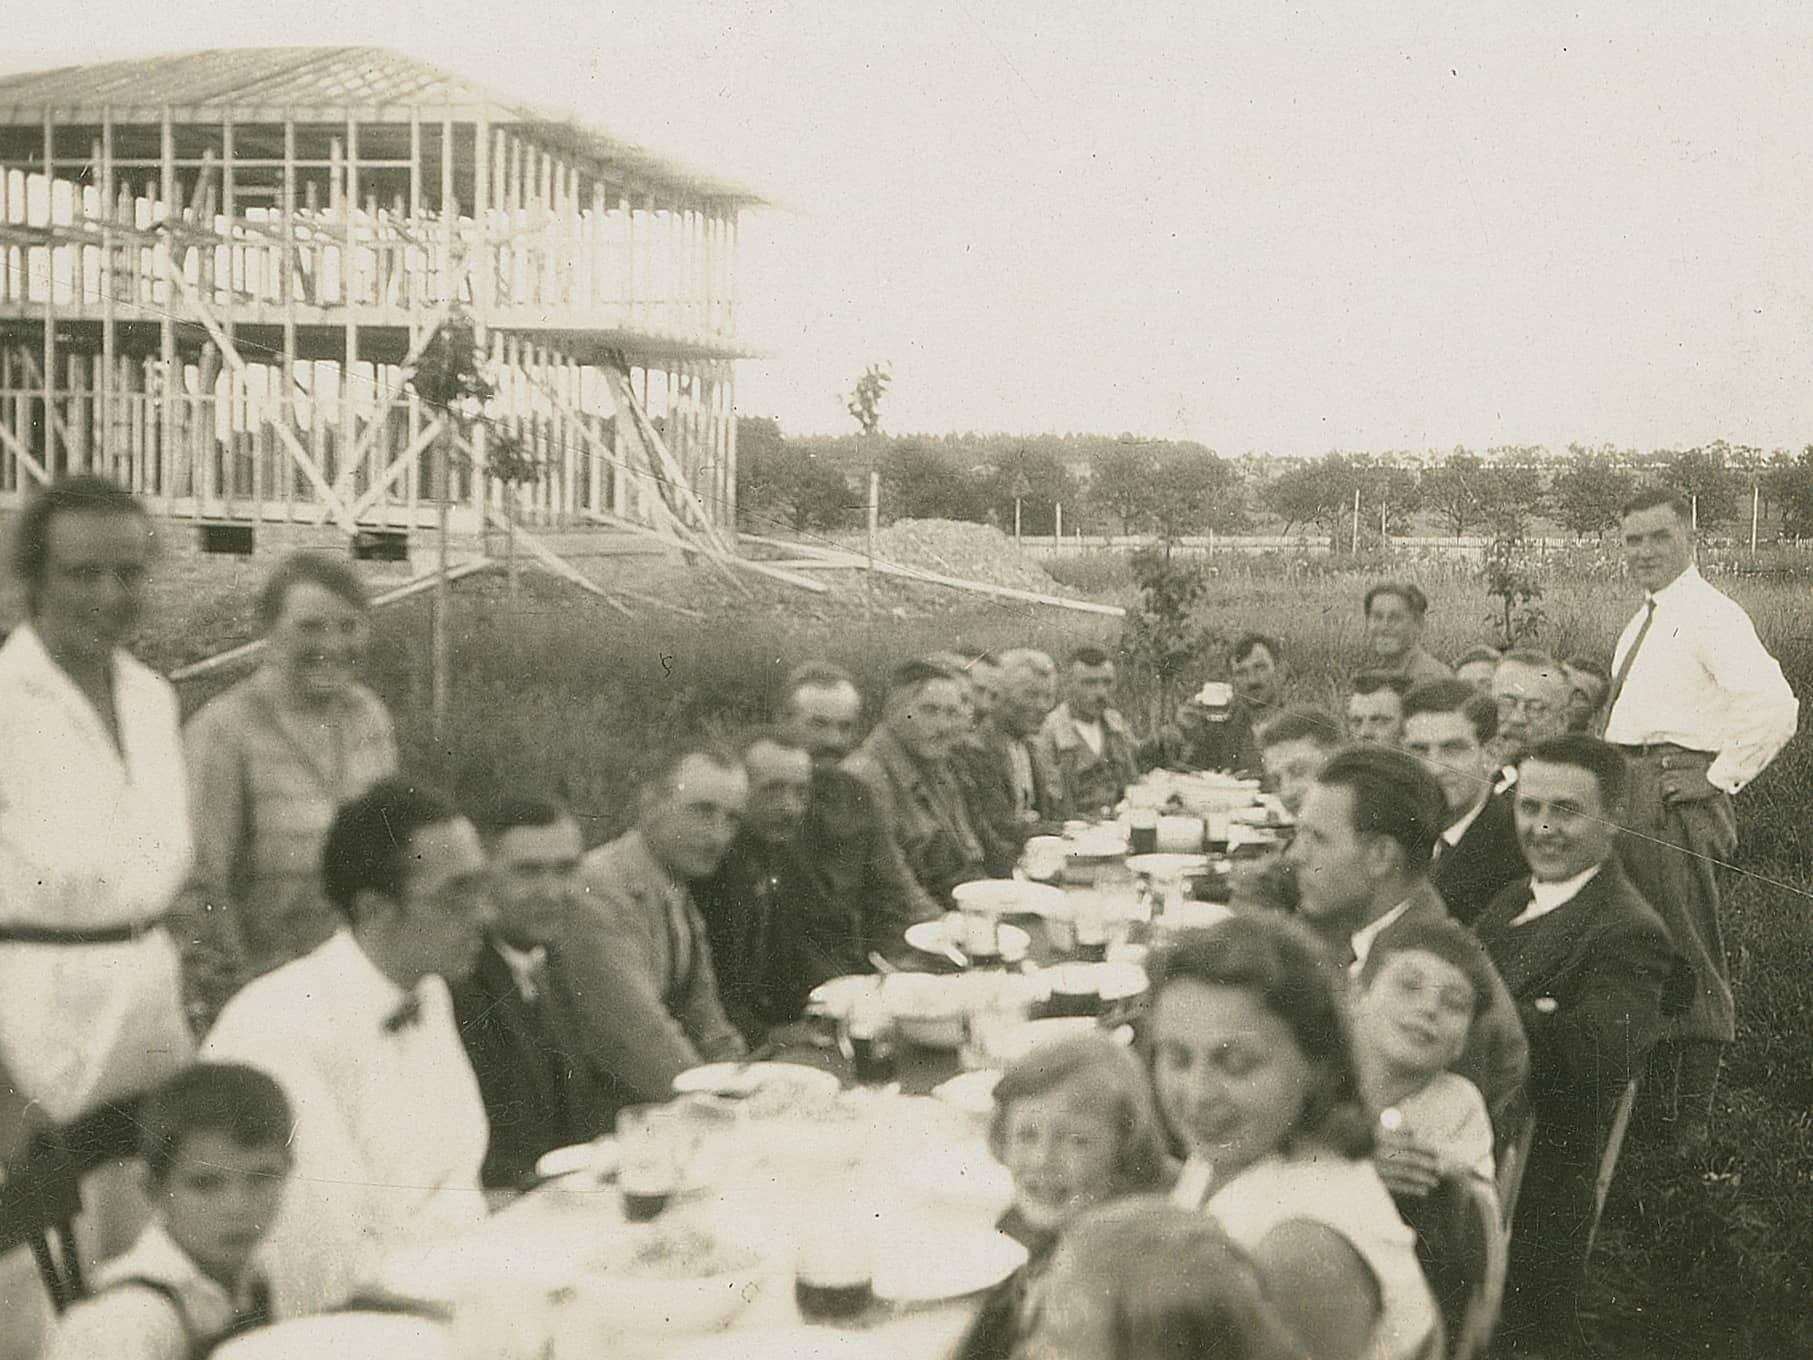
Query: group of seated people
{"x": 424, "y": 999}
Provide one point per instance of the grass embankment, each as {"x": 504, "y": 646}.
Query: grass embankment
{"x": 1709, "y": 1257}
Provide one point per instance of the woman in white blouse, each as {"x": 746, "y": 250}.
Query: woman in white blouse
{"x": 1254, "y": 1073}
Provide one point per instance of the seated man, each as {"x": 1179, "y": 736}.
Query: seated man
{"x": 1449, "y": 727}
{"x": 1587, "y": 960}
{"x": 545, "y": 1083}
{"x": 1293, "y": 748}
{"x": 760, "y": 905}
{"x": 1530, "y": 690}
{"x": 216, "y": 1143}
{"x": 639, "y": 950}
{"x": 1087, "y": 741}
{"x": 1395, "y": 613}
{"x": 1476, "y": 666}
{"x": 907, "y": 764}
{"x": 1259, "y": 676}
{"x": 1362, "y": 852}
{"x": 845, "y": 842}
{"x": 1588, "y": 683}
{"x": 359, "y": 1033}
{"x": 1013, "y": 788}
{"x": 1375, "y": 709}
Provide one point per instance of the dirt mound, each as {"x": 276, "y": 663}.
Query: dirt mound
{"x": 974, "y": 552}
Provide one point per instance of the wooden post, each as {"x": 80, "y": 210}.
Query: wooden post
{"x": 108, "y": 339}
{"x": 1355, "y": 540}
{"x": 286, "y": 414}
{"x": 50, "y": 301}
{"x": 1756, "y": 498}
{"x": 1057, "y": 526}
{"x": 172, "y": 378}
{"x": 874, "y": 526}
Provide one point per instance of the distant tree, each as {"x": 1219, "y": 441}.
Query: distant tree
{"x": 1510, "y": 497}
{"x": 1123, "y": 484}
{"x": 1314, "y": 494}
{"x": 1702, "y": 475}
{"x": 1585, "y": 497}
{"x": 1035, "y": 473}
{"x": 783, "y": 486}
{"x": 1195, "y": 494}
{"x": 918, "y": 482}
{"x": 864, "y": 401}
{"x": 1791, "y": 488}
{"x": 1454, "y": 491}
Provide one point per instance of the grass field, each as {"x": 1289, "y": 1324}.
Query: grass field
{"x": 1709, "y": 1257}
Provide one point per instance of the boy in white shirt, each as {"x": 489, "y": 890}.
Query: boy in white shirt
{"x": 216, "y": 1147}
{"x": 1413, "y": 1006}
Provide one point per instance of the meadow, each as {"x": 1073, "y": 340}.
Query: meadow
{"x": 1704, "y": 1256}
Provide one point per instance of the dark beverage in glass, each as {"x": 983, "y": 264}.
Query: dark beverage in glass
{"x": 872, "y": 1059}
{"x": 831, "y": 1302}
{"x": 639, "y": 1206}
{"x": 1142, "y": 839}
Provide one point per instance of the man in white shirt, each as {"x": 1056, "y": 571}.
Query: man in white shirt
{"x": 1364, "y": 841}
{"x": 1699, "y": 709}
{"x": 1587, "y": 962}
{"x": 94, "y": 844}
{"x": 390, "y": 1126}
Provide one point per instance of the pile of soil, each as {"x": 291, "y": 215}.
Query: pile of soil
{"x": 973, "y": 552}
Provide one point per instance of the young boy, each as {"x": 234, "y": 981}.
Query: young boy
{"x": 216, "y": 1147}
{"x": 1413, "y": 1008}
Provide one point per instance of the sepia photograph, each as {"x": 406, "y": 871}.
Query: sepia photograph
{"x": 876, "y": 681}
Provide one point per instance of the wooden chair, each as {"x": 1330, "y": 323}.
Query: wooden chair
{"x": 1463, "y": 1246}
{"x": 41, "y": 1194}
{"x": 1608, "y": 1158}
{"x": 1513, "y": 1158}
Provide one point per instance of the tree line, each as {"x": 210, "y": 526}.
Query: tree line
{"x": 1172, "y": 488}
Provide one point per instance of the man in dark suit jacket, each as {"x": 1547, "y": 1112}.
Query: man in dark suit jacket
{"x": 1449, "y": 726}
{"x": 518, "y": 1014}
{"x": 1361, "y": 855}
{"x": 1013, "y": 788}
{"x": 1588, "y": 962}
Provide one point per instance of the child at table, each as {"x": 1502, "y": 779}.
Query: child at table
{"x": 216, "y": 1147}
{"x": 1141, "y": 1279}
{"x": 1254, "y": 1072}
{"x": 1419, "y": 994}
{"x": 1074, "y": 1125}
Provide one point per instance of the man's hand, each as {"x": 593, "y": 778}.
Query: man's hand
{"x": 1405, "y": 1165}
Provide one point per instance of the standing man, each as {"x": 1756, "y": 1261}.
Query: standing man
{"x": 1361, "y": 853}
{"x": 94, "y": 844}
{"x": 1087, "y": 740}
{"x": 1449, "y": 727}
{"x": 1395, "y": 612}
{"x": 907, "y": 765}
{"x": 1587, "y": 961}
{"x": 1699, "y": 709}
{"x": 1375, "y": 708}
{"x": 543, "y": 1084}
{"x": 390, "y": 1126}
{"x": 640, "y": 955}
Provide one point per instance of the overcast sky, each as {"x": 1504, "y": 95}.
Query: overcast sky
{"x": 1260, "y": 225}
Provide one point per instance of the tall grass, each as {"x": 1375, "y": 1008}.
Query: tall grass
{"x": 1712, "y": 1257}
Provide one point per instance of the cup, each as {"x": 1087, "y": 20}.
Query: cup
{"x": 1044, "y": 858}
{"x": 1088, "y": 921}
{"x": 648, "y": 1169}
{"x": 834, "y": 1265}
{"x": 1142, "y": 831}
{"x": 981, "y": 935}
{"x": 869, "y": 1033}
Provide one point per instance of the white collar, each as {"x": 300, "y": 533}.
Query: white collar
{"x": 1366, "y": 934}
{"x": 1451, "y": 835}
{"x": 157, "y": 1256}
{"x": 365, "y": 988}
{"x": 525, "y": 965}
{"x": 1547, "y": 896}
{"x": 1684, "y": 584}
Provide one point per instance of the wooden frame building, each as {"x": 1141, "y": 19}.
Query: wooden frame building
{"x": 217, "y": 270}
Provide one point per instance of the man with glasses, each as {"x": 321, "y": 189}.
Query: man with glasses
{"x": 1530, "y": 691}
{"x": 360, "y": 1033}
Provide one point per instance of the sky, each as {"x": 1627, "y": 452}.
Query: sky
{"x": 1267, "y": 227}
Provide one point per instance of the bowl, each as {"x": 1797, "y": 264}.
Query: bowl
{"x": 1011, "y": 897}
{"x": 929, "y": 1008}
{"x": 663, "y": 1307}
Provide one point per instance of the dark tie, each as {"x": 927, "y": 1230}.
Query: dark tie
{"x": 1636, "y": 645}
{"x": 407, "y": 1013}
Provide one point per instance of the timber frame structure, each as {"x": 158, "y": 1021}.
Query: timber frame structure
{"x": 217, "y": 270}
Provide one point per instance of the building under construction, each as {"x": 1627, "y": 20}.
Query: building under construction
{"x": 218, "y": 270}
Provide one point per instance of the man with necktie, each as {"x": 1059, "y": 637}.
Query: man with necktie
{"x": 544, "y": 1085}
{"x": 1699, "y": 709}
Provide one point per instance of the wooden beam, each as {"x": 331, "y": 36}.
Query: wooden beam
{"x": 553, "y": 561}
{"x": 693, "y": 546}
{"x": 24, "y": 455}
{"x": 231, "y": 354}
{"x": 404, "y": 462}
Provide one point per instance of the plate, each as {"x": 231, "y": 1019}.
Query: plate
{"x": 1167, "y": 866}
{"x": 596, "y": 1158}
{"x": 838, "y": 996}
{"x": 1012, "y": 897}
{"x": 744, "y": 1079}
{"x": 930, "y": 937}
{"x": 345, "y": 1336}
{"x": 928, "y": 1263}
{"x": 971, "y": 1092}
